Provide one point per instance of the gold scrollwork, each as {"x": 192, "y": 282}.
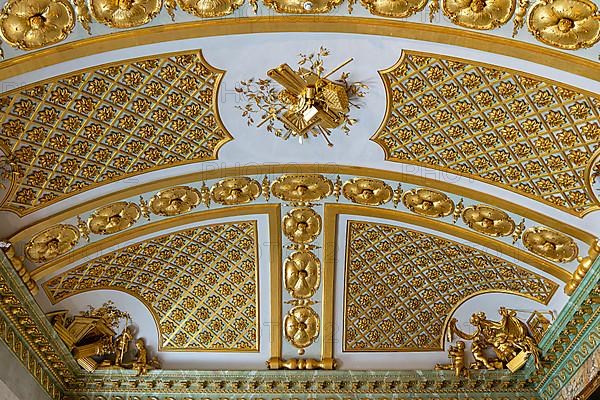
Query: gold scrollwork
{"x": 567, "y": 24}
{"x": 51, "y": 243}
{"x": 238, "y": 190}
{"x": 550, "y": 244}
{"x": 114, "y": 218}
{"x": 488, "y": 220}
{"x": 31, "y": 24}
{"x": 302, "y": 225}
{"x": 125, "y": 13}
{"x": 299, "y": 189}
{"x": 479, "y": 14}
{"x": 302, "y": 7}
{"x": 370, "y": 192}
{"x": 301, "y": 327}
{"x": 174, "y": 201}
{"x": 394, "y": 8}
{"x": 302, "y": 274}
{"x": 428, "y": 202}
{"x": 585, "y": 264}
{"x": 210, "y": 8}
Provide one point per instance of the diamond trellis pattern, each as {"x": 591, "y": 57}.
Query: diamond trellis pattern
{"x": 402, "y": 284}
{"x": 99, "y": 125}
{"x": 524, "y": 133}
{"x": 200, "y": 285}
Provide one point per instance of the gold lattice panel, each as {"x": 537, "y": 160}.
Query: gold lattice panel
{"x": 523, "y": 133}
{"x": 200, "y": 285}
{"x": 98, "y": 125}
{"x": 402, "y": 284}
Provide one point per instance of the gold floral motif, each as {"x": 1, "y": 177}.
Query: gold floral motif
{"x": 550, "y": 244}
{"x": 51, "y": 243}
{"x": 302, "y": 274}
{"x": 124, "y": 13}
{"x": 174, "y": 201}
{"x": 236, "y": 191}
{"x": 300, "y": 189}
{"x": 371, "y": 192}
{"x": 113, "y": 218}
{"x": 300, "y": 7}
{"x": 479, "y": 14}
{"x": 302, "y": 225}
{"x": 566, "y": 24}
{"x": 31, "y": 24}
{"x": 210, "y": 8}
{"x": 393, "y": 8}
{"x": 488, "y": 220}
{"x": 301, "y": 327}
{"x": 428, "y": 202}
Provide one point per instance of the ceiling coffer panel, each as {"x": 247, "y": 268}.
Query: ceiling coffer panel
{"x": 402, "y": 285}
{"x": 71, "y": 133}
{"x": 199, "y": 284}
{"x": 521, "y": 132}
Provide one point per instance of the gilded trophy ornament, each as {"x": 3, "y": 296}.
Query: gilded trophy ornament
{"x": 210, "y": 8}
{"x": 488, "y": 220}
{"x": 114, "y": 218}
{"x": 302, "y": 225}
{"x": 174, "y": 201}
{"x": 302, "y": 274}
{"x": 428, "y": 202}
{"x": 51, "y": 243}
{"x": 302, "y": 7}
{"x": 239, "y": 190}
{"x": 124, "y": 13}
{"x": 366, "y": 191}
{"x": 550, "y": 244}
{"x": 301, "y": 325}
{"x": 32, "y": 24}
{"x": 301, "y": 189}
{"x": 566, "y": 24}
{"x": 394, "y": 8}
{"x": 479, "y": 14}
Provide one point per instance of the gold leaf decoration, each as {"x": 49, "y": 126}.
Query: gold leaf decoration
{"x": 302, "y": 225}
{"x": 394, "y": 8}
{"x": 31, "y": 24}
{"x": 125, "y": 13}
{"x": 301, "y": 326}
{"x": 550, "y": 244}
{"x": 51, "y": 243}
{"x": 236, "y": 191}
{"x": 114, "y": 218}
{"x": 428, "y": 202}
{"x": 299, "y": 189}
{"x": 93, "y": 127}
{"x": 401, "y": 285}
{"x": 567, "y": 24}
{"x": 302, "y": 274}
{"x": 488, "y": 220}
{"x": 209, "y": 8}
{"x": 371, "y": 192}
{"x": 174, "y": 201}
{"x": 522, "y": 133}
{"x": 479, "y": 14}
{"x": 302, "y": 7}
{"x": 199, "y": 284}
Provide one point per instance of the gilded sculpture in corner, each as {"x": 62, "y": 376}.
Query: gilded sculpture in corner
{"x": 308, "y": 104}
{"x": 92, "y": 338}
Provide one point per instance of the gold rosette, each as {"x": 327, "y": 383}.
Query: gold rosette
{"x": 428, "y": 202}
{"x": 488, "y": 220}
{"x": 114, "y": 218}
{"x": 479, "y": 14}
{"x": 209, "y": 8}
{"x": 302, "y": 225}
{"x": 174, "y": 201}
{"x": 302, "y": 7}
{"x": 394, "y": 8}
{"x": 302, "y": 274}
{"x": 301, "y": 326}
{"x": 124, "y": 13}
{"x": 550, "y": 244}
{"x": 301, "y": 188}
{"x": 235, "y": 191}
{"x": 370, "y": 192}
{"x": 51, "y": 243}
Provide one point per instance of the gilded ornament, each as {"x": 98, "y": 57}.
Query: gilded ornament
{"x": 302, "y": 274}
{"x": 302, "y": 7}
{"x": 114, "y": 218}
{"x": 125, "y": 13}
{"x": 20, "y": 268}
{"x": 488, "y": 220}
{"x": 566, "y": 24}
{"x": 302, "y": 225}
{"x": 428, "y": 202}
{"x": 210, "y": 8}
{"x": 585, "y": 264}
{"x": 301, "y": 363}
{"x": 240, "y": 190}
{"x": 394, "y": 8}
{"x": 32, "y": 24}
{"x": 458, "y": 365}
{"x": 366, "y": 191}
{"x": 550, "y": 244}
{"x": 301, "y": 325}
{"x": 301, "y": 189}
{"x": 479, "y": 14}
{"x": 174, "y": 201}
{"x": 51, "y": 243}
